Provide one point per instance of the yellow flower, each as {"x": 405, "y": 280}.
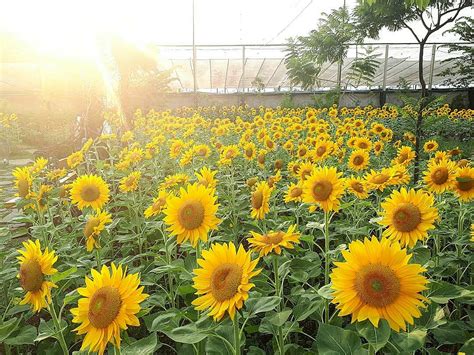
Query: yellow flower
{"x": 379, "y": 180}
{"x": 408, "y": 215}
{"x": 273, "y": 241}
{"x": 304, "y": 170}
{"x": 378, "y": 147}
{"x": 363, "y": 143}
{"x": 42, "y": 197}
{"x": 464, "y": 184}
{"x": 158, "y": 205}
{"x": 357, "y": 187}
{"x": 260, "y": 200}
{"x": 39, "y": 164}
{"x": 223, "y": 280}
{"x": 192, "y": 214}
{"x": 376, "y": 282}
{"x": 130, "y": 183}
{"x": 206, "y": 177}
{"x": 23, "y": 181}
{"x": 323, "y": 187}
{"x": 440, "y": 176}
{"x": 294, "y": 193}
{"x": 359, "y": 160}
{"x": 56, "y": 174}
{"x": 249, "y": 151}
{"x": 89, "y": 191}
{"x": 34, "y": 266}
{"x": 405, "y": 155}
{"x": 430, "y": 146}
{"x": 109, "y": 305}
{"x": 94, "y": 226}
{"x": 75, "y": 159}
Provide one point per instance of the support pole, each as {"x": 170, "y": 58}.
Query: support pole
{"x": 194, "y": 62}
{"x": 383, "y": 93}
{"x": 432, "y": 64}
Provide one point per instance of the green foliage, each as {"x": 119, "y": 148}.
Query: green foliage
{"x": 460, "y": 72}
{"x": 363, "y": 69}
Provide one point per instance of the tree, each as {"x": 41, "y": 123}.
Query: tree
{"x": 373, "y": 15}
{"x": 460, "y": 73}
{"x": 328, "y": 43}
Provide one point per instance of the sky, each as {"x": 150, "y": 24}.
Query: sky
{"x": 66, "y": 25}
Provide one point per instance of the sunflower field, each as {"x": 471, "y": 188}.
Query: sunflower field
{"x": 239, "y": 230}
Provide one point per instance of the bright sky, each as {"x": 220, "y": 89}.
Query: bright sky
{"x": 66, "y": 25}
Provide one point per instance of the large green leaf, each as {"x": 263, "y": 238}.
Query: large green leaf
{"x": 8, "y": 327}
{"x": 279, "y": 318}
{"x": 26, "y": 335}
{"x": 409, "y": 341}
{"x": 377, "y": 337}
{"x": 255, "y": 305}
{"x": 187, "y": 334}
{"x": 442, "y": 292}
{"x": 333, "y": 340}
{"x": 144, "y": 346}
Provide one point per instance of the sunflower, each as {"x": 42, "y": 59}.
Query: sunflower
{"x": 379, "y": 180}
{"x": 192, "y": 214}
{"x": 322, "y": 150}
{"x": 42, "y": 197}
{"x": 359, "y": 160}
{"x": 363, "y": 143}
{"x": 110, "y": 303}
{"x": 260, "y": 200}
{"x": 23, "y": 181}
{"x": 89, "y": 191}
{"x": 273, "y": 241}
{"x": 404, "y": 156}
{"x": 249, "y": 151}
{"x": 430, "y": 146}
{"x": 464, "y": 184}
{"x": 376, "y": 282}
{"x": 75, "y": 159}
{"x": 130, "y": 183}
{"x": 158, "y": 205}
{"x": 206, "y": 177}
{"x": 408, "y": 215}
{"x": 304, "y": 170}
{"x": 294, "y": 193}
{"x": 440, "y": 176}
{"x": 378, "y": 147}
{"x": 357, "y": 187}
{"x": 223, "y": 280}
{"x": 34, "y": 266}
{"x": 94, "y": 226}
{"x": 324, "y": 187}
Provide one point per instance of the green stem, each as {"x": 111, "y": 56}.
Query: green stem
{"x": 57, "y": 325}
{"x": 170, "y": 276}
{"x": 117, "y": 350}
{"x": 236, "y": 334}
{"x": 371, "y": 350}
{"x": 280, "y": 340}
{"x": 99, "y": 262}
{"x": 326, "y": 263}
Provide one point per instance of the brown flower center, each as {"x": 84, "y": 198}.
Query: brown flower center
{"x": 225, "y": 281}
{"x": 320, "y": 151}
{"x": 261, "y": 158}
{"x": 296, "y": 192}
{"x": 377, "y": 285}
{"x": 305, "y": 174}
{"x": 302, "y": 152}
{"x": 358, "y": 160}
{"x": 295, "y": 168}
{"x": 402, "y": 158}
{"x": 406, "y": 217}
{"x": 465, "y": 183}
{"x": 440, "y": 176}
{"x": 278, "y": 164}
{"x": 191, "y": 215}
{"x": 357, "y": 186}
{"x": 249, "y": 152}
{"x": 104, "y": 306}
{"x": 252, "y": 181}
{"x": 90, "y": 225}
{"x": 322, "y": 190}
{"x": 363, "y": 145}
{"x": 274, "y": 238}
{"x": 31, "y": 276}
{"x": 257, "y": 199}
{"x": 90, "y": 193}
{"x": 380, "y": 178}
{"x": 23, "y": 187}
{"x": 430, "y": 146}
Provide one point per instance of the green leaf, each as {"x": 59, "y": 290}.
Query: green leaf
{"x": 409, "y": 341}
{"x": 63, "y": 275}
{"x": 143, "y": 346}
{"x": 333, "y": 340}
{"x": 187, "y": 334}
{"x": 8, "y": 327}
{"x": 442, "y": 292}
{"x": 164, "y": 320}
{"x": 26, "y": 335}
{"x": 468, "y": 347}
{"x": 306, "y": 307}
{"x": 278, "y": 319}
{"x": 326, "y": 292}
{"x": 453, "y": 332}
{"x": 257, "y": 305}
{"x": 377, "y": 337}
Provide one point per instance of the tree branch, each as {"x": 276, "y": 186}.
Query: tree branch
{"x": 412, "y": 31}
{"x": 420, "y": 15}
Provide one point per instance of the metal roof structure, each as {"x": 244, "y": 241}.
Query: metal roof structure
{"x": 235, "y": 68}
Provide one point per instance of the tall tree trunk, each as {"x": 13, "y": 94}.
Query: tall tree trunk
{"x": 419, "y": 119}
